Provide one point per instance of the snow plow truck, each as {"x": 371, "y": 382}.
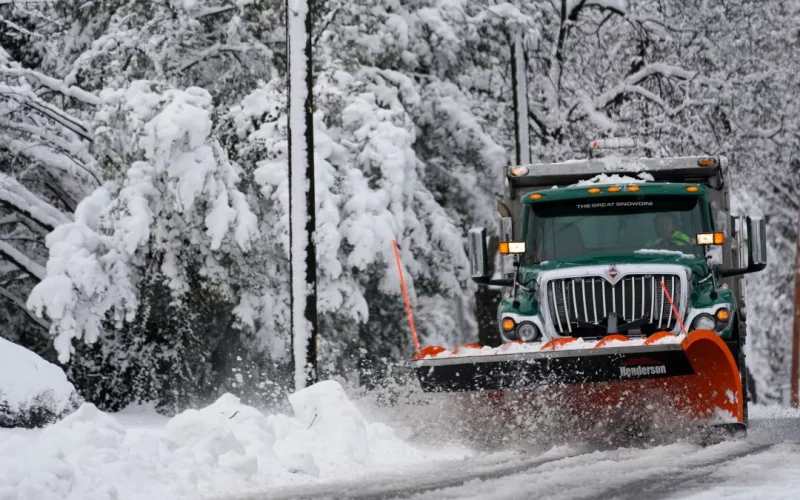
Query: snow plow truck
{"x": 624, "y": 294}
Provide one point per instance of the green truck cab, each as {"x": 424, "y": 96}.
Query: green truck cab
{"x": 610, "y": 245}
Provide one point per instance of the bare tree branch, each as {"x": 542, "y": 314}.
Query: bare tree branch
{"x": 21, "y": 261}
{"x": 17, "y": 196}
{"x": 28, "y": 98}
{"x": 53, "y": 84}
{"x": 20, "y": 303}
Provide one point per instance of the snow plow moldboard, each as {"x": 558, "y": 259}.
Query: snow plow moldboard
{"x": 695, "y": 373}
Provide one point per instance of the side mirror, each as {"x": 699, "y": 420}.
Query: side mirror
{"x": 478, "y": 256}
{"x": 757, "y": 242}
{"x": 480, "y": 267}
{"x": 756, "y": 248}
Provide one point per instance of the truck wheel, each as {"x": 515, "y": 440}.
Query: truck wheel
{"x": 745, "y": 393}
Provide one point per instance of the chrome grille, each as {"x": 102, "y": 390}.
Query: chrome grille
{"x": 634, "y": 297}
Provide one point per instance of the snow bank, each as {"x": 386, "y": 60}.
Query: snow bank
{"x": 33, "y": 392}
{"x": 225, "y": 449}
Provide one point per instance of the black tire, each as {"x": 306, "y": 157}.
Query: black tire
{"x": 743, "y": 372}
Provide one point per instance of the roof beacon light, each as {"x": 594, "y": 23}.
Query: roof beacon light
{"x": 517, "y": 171}
{"x": 706, "y": 162}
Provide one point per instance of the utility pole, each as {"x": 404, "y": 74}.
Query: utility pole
{"x": 519, "y": 82}
{"x": 302, "y": 205}
{"x": 795, "y": 371}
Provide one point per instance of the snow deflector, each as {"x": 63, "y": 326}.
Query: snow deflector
{"x": 696, "y": 373}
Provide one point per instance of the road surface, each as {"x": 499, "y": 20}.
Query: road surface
{"x": 765, "y": 465}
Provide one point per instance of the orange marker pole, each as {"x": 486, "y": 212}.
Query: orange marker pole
{"x": 672, "y": 304}
{"x": 405, "y": 296}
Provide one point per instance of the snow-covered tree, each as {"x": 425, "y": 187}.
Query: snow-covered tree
{"x": 149, "y": 254}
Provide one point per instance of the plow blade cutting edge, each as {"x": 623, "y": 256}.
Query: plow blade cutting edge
{"x": 694, "y": 375}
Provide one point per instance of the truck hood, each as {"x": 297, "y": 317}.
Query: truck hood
{"x": 696, "y": 264}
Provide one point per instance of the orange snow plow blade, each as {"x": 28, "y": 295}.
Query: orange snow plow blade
{"x": 694, "y": 375}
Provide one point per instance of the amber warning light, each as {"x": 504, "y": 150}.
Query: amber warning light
{"x": 511, "y": 247}
{"x": 710, "y": 238}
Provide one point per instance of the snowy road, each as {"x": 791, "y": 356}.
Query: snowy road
{"x": 765, "y": 465}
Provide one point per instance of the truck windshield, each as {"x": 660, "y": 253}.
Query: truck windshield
{"x": 604, "y": 226}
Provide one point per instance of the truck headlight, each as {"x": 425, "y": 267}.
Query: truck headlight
{"x": 527, "y": 331}
{"x": 704, "y": 322}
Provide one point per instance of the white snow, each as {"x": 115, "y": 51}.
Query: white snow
{"x": 179, "y": 178}
{"x": 666, "y": 252}
{"x": 18, "y": 196}
{"x": 714, "y": 254}
{"x": 527, "y": 347}
{"x": 604, "y": 179}
{"x": 225, "y": 449}
{"x": 25, "y": 377}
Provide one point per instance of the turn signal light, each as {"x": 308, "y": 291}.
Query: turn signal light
{"x": 723, "y": 315}
{"x": 511, "y": 247}
{"x": 710, "y": 238}
{"x": 508, "y": 324}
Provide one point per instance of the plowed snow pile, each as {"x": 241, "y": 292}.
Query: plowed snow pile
{"x": 223, "y": 449}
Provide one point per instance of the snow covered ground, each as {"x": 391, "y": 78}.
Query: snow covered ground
{"x": 328, "y": 448}
{"x": 32, "y": 390}
{"x": 223, "y": 449}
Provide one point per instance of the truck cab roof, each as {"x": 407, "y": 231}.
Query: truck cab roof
{"x": 703, "y": 170}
